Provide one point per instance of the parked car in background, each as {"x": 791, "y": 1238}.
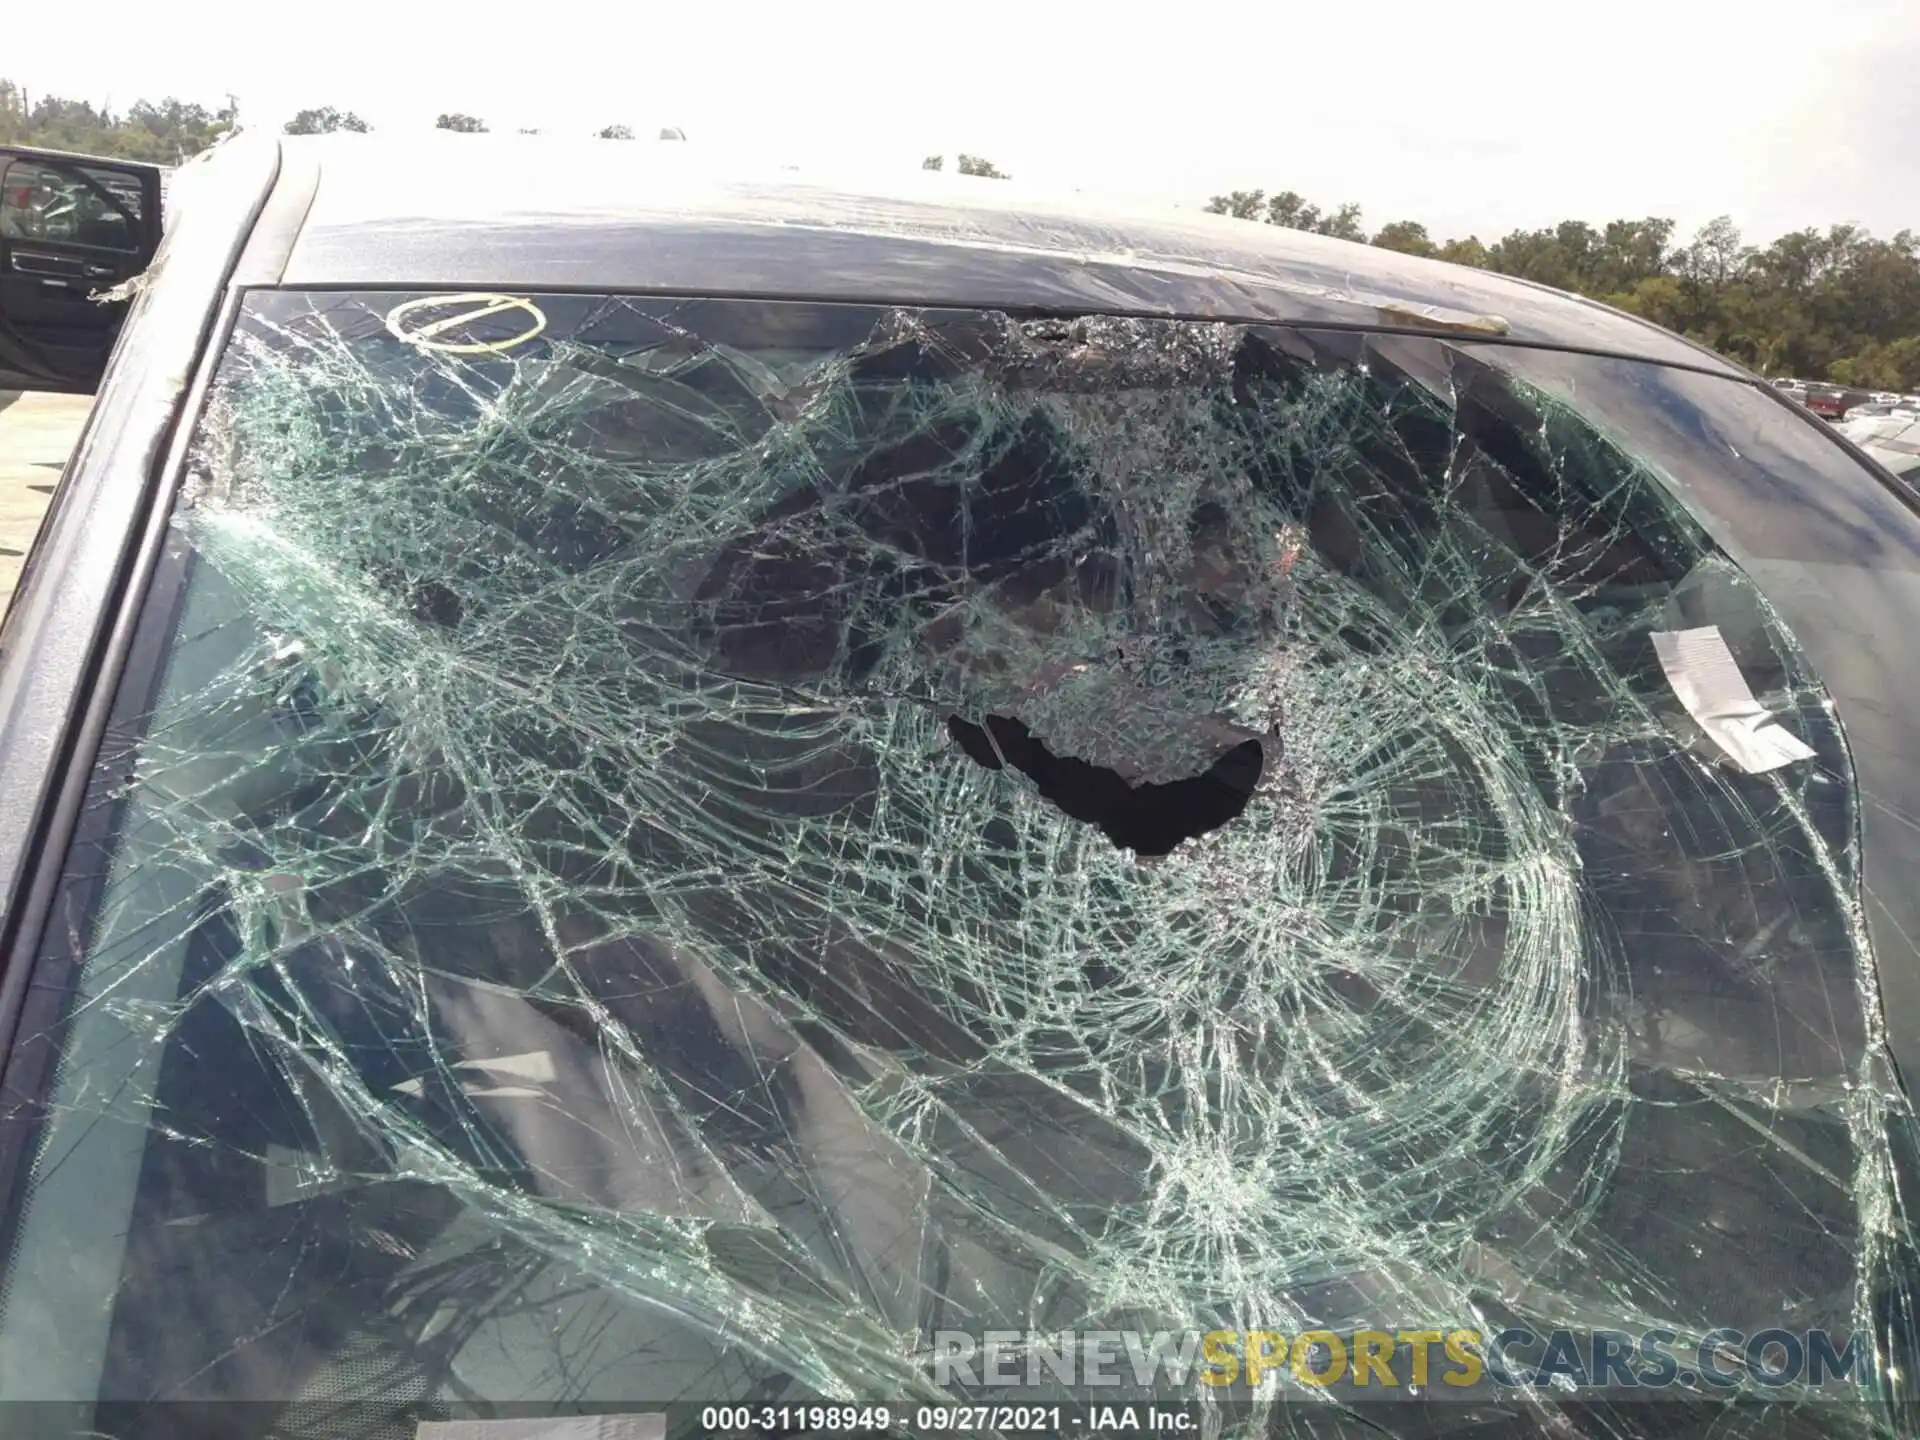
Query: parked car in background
{"x": 1829, "y": 402}
{"x": 653, "y": 786}
{"x": 1891, "y": 435}
{"x": 1877, "y": 409}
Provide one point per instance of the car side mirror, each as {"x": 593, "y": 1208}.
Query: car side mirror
{"x": 71, "y": 228}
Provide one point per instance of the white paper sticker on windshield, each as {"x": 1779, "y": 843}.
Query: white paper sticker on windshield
{"x": 1707, "y": 680}
{"x": 571, "y": 1427}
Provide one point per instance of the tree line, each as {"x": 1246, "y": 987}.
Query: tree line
{"x": 967, "y": 165}
{"x": 1837, "y": 304}
{"x": 319, "y": 122}
{"x": 169, "y": 132}
{"x": 163, "y": 132}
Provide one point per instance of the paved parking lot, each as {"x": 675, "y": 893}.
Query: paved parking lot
{"x": 37, "y": 433}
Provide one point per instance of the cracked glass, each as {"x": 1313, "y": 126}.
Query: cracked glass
{"x": 662, "y": 850}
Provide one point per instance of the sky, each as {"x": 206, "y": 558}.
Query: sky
{"x": 1474, "y": 117}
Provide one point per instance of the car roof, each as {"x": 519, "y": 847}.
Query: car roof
{"x": 532, "y": 212}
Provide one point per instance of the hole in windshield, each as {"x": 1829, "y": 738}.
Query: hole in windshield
{"x": 1146, "y": 818}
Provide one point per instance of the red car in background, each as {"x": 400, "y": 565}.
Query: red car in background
{"x": 1830, "y": 402}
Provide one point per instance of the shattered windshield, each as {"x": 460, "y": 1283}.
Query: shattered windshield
{"x": 685, "y": 851}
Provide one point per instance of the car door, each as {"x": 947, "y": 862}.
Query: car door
{"x": 72, "y": 227}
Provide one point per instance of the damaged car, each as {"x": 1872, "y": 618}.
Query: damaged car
{"x": 726, "y": 795}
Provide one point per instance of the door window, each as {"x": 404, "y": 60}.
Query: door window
{"x": 70, "y": 205}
